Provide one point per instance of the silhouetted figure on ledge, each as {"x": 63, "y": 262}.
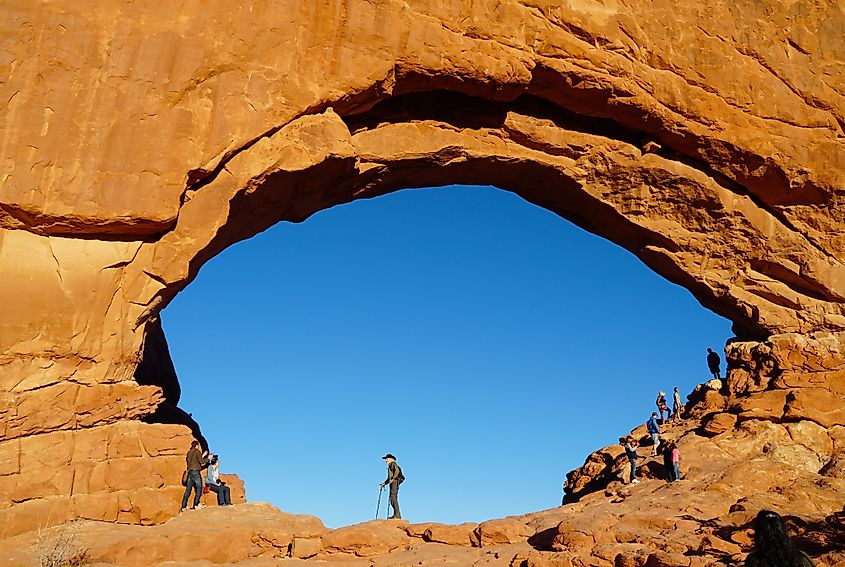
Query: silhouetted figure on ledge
{"x": 772, "y": 546}
{"x": 713, "y": 362}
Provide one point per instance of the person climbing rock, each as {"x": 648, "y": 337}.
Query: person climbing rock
{"x": 661, "y": 405}
{"x": 772, "y": 546}
{"x": 713, "y": 362}
{"x": 630, "y": 446}
{"x": 195, "y": 461}
{"x": 672, "y": 460}
{"x": 677, "y": 406}
{"x": 676, "y": 462}
{"x": 666, "y": 451}
{"x": 654, "y": 430}
{"x": 394, "y": 479}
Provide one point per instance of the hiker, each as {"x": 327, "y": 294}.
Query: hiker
{"x": 772, "y": 546}
{"x": 713, "y": 362}
{"x": 217, "y": 486}
{"x": 675, "y": 460}
{"x": 677, "y": 406}
{"x": 654, "y": 430}
{"x": 394, "y": 479}
{"x": 195, "y": 462}
{"x": 631, "y": 451}
{"x": 666, "y": 450}
{"x": 661, "y": 405}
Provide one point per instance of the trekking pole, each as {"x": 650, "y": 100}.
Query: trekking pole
{"x": 378, "y": 506}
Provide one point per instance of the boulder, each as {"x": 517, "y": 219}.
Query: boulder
{"x": 719, "y": 423}
{"x": 501, "y": 532}
{"x": 376, "y": 537}
{"x": 463, "y": 534}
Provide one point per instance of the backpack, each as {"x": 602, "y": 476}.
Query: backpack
{"x": 400, "y": 478}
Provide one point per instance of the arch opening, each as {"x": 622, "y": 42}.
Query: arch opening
{"x": 478, "y": 405}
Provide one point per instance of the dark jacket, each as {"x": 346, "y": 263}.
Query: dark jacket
{"x": 631, "y": 452}
{"x": 667, "y": 457}
{"x": 392, "y": 472}
{"x": 194, "y": 460}
{"x": 713, "y": 361}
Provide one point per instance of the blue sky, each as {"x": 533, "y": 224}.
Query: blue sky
{"x": 488, "y": 343}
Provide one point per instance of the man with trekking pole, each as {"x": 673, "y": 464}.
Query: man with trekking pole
{"x": 394, "y": 479}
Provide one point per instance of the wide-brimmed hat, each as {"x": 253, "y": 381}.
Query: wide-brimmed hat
{"x": 389, "y": 456}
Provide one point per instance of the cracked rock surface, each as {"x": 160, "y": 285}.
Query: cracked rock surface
{"x": 137, "y": 143}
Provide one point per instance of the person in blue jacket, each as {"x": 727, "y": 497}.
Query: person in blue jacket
{"x": 654, "y": 429}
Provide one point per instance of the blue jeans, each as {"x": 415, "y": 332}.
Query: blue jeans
{"x": 195, "y": 482}
{"x": 224, "y": 495}
{"x": 633, "y": 470}
{"x": 676, "y": 474}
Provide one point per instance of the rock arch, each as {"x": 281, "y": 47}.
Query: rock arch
{"x": 138, "y": 145}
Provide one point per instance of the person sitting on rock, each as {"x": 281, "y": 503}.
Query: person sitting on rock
{"x": 677, "y": 406}
{"x": 394, "y": 479}
{"x": 195, "y": 462}
{"x": 713, "y": 362}
{"x": 772, "y": 546}
{"x": 630, "y": 446}
{"x": 214, "y": 484}
{"x": 661, "y": 405}
{"x": 654, "y": 430}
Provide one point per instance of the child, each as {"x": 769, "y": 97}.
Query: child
{"x": 676, "y": 462}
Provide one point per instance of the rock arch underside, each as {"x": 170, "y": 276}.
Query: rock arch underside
{"x": 138, "y": 141}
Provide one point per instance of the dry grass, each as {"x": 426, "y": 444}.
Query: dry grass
{"x": 59, "y": 547}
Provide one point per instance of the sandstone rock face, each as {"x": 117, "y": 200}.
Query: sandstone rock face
{"x": 137, "y": 143}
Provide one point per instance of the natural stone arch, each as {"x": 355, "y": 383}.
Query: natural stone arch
{"x": 174, "y": 137}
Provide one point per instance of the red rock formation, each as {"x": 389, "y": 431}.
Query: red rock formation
{"x": 138, "y": 142}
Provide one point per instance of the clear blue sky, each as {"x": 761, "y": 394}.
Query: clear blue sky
{"x": 488, "y": 343}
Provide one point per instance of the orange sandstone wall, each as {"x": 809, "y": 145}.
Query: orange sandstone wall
{"x": 138, "y": 142}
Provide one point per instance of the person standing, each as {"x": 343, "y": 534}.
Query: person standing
{"x": 194, "y": 461}
{"x": 667, "y": 461}
{"x": 675, "y": 456}
{"x": 394, "y": 479}
{"x": 217, "y": 486}
{"x": 654, "y": 430}
{"x": 772, "y": 546}
{"x": 631, "y": 451}
{"x": 661, "y": 405}
{"x": 677, "y": 406}
{"x": 713, "y": 362}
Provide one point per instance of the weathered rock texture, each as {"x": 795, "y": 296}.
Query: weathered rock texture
{"x": 138, "y": 142}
